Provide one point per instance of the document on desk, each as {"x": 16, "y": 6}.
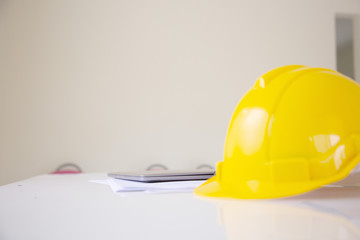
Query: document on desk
{"x": 125, "y": 187}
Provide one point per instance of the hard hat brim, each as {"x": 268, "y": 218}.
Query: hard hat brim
{"x": 214, "y": 188}
{"x": 264, "y": 190}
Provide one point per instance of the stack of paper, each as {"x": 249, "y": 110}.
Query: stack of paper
{"x": 125, "y": 188}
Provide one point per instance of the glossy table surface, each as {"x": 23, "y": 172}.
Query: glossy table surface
{"x": 71, "y": 207}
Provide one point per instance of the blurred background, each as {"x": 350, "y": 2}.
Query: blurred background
{"x": 119, "y": 85}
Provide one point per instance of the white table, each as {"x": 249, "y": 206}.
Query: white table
{"x": 70, "y": 207}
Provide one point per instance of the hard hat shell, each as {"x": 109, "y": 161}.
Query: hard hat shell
{"x": 296, "y": 130}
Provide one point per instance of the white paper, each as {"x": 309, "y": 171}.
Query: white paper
{"x": 126, "y": 188}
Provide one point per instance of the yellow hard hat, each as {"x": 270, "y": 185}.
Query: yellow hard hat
{"x": 296, "y": 130}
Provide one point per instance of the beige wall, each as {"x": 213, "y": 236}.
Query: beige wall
{"x": 118, "y": 85}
